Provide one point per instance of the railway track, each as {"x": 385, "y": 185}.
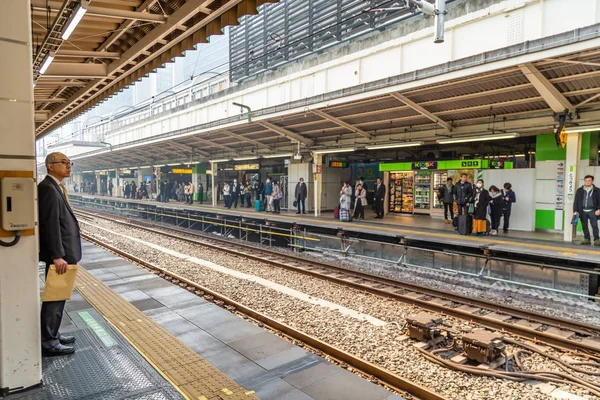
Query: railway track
{"x": 556, "y": 332}
{"x": 383, "y": 375}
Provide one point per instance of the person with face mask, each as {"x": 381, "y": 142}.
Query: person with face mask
{"x": 268, "y": 195}
{"x": 300, "y": 194}
{"x": 496, "y": 202}
{"x": 481, "y": 202}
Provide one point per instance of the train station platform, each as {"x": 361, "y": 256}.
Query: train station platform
{"x": 142, "y": 337}
{"x": 421, "y": 231}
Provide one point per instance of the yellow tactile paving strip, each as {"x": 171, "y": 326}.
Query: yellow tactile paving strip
{"x": 191, "y": 374}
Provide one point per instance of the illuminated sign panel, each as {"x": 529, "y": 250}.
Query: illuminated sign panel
{"x": 181, "y": 171}
{"x": 338, "y": 164}
{"x": 247, "y": 167}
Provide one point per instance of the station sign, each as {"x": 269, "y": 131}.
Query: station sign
{"x": 496, "y": 164}
{"x": 425, "y": 165}
{"x": 181, "y": 171}
{"x": 339, "y": 164}
{"x": 470, "y": 164}
{"x": 247, "y": 167}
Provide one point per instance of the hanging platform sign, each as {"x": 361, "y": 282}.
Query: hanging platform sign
{"x": 339, "y": 164}
{"x": 246, "y": 167}
{"x": 181, "y": 171}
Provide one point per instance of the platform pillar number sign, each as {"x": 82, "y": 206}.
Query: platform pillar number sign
{"x": 318, "y": 181}
{"x": 571, "y": 182}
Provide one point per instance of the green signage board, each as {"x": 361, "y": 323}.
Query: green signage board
{"x": 446, "y": 165}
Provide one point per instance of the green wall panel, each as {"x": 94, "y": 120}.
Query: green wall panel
{"x": 544, "y": 219}
{"x": 547, "y": 150}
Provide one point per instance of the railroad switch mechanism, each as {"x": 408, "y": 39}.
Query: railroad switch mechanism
{"x": 424, "y": 326}
{"x": 483, "y": 346}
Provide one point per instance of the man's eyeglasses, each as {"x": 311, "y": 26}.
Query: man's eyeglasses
{"x": 64, "y": 162}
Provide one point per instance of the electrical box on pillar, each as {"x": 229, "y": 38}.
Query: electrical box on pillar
{"x": 17, "y": 199}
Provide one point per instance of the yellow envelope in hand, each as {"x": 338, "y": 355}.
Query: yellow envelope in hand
{"x": 59, "y": 287}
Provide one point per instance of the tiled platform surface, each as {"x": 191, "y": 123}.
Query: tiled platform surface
{"x": 254, "y": 358}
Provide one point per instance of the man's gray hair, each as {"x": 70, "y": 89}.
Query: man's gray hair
{"x": 51, "y": 158}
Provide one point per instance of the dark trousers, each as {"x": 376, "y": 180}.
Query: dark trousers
{"x": 277, "y": 205}
{"x": 234, "y": 201}
{"x": 301, "y": 205}
{"x": 448, "y": 210}
{"x": 200, "y": 197}
{"x": 495, "y": 216}
{"x": 248, "y": 200}
{"x": 359, "y": 210}
{"x": 50, "y": 319}
{"x": 506, "y": 216}
{"x": 379, "y": 207}
{"x": 462, "y": 209}
{"x": 593, "y": 219}
{"x": 227, "y": 199}
{"x": 189, "y": 198}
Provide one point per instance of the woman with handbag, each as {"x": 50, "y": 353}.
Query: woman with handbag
{"x": 361, "y": 202}
{"x": 277, "y": 195}
{"x": 345, "y": 202}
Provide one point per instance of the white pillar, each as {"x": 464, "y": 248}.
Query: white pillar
{"x": 118, "y": 189}
{"x": 571, "y": 182}
{"x": 20, "y": 346}
{"x": 215, "y": 173}
{"x": 318, "y": 181}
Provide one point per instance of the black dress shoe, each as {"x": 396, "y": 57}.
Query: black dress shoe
{"x": 59, "y": 350}
{"x": 66, "y": 339}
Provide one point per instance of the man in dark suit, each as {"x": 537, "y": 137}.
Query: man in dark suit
{"x": 60, "y": 244}
{"x": 379, "y": 198}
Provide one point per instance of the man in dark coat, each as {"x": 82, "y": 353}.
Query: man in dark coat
{"x": 235, "y": 193}
{"x": 587, "y": 206}
{"x": 463, "y": 192}
{"x": 60, "y": 245}
{"x": 379, "y": 198}
{"x": 300, "y": 194}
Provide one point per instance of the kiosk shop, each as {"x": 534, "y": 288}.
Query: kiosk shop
{"x": 413, "y": 187}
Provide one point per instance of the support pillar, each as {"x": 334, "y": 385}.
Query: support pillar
{"x": 318, "y": 181}
{"x": 118, "y": 190}
{"x": 215, "y": 173}
{"x": 571, "y": 182}
{"x": 20, "y": 349}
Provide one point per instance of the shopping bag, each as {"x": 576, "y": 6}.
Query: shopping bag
{"x": 471, "y": 208}
{"x": 59, "y": 287}
{"x": 575, "y": 219}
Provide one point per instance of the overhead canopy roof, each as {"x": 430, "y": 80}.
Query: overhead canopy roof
{"x": 116, "y": 43}
{"x": 522, "y": 99}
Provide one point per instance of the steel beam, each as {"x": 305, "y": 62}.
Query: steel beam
{"x": 243, "y": 138}
{"x": 103, "y": 12}
{"x": 555, "y": 99}
{"x": 341, "y": 123}
{"x": 422, "y": 111}
{"x": 76, "y": 70}
{"x": 49, "y": 100}
{"x": 88, "y": 54}
{"x": 285, "y": 133}
{"x": 43, "y": 83}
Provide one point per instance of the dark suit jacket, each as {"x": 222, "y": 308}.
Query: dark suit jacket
{"x": 58, "y": 227}
{"x": 380, "y": 193}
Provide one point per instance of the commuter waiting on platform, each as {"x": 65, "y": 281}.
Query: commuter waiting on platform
{"x": 267, "y": 192}
{"x": 191, "y": 191}
{"x": 509, "y": 197}
{"x": 360, "y": 203}
{"x": 235, "y": 193}
{"x": 481, "y": 202}
{"x": 248, "y": 194}
{"x": 227, "y": 194}
{"x": 277, "y": 196}
{"x": 587, "y": 207}
{"x": 110, "y": 188}
{"x": 447, "y": 197}
{"x": 300, "y": 195}
{"x": 379, "y": 198}
{"x": 463, "y": 193}
{"x": 60, "y": 245}
{"x": 496, "y": 204}
{"x": 200, "y": 193}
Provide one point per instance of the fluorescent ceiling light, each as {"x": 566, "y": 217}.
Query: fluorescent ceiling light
{"x": 478, "y": 138}
{"x": 330, "y": 151}
{"x": 218, "y": 161}
{"x": 47, "y": 62}
{"x": 577, "y": 129}
{"x": 278, "y": 155}
{"x": 158, "y": 166}
{"x": 393, "y": 146}
{"x": 75, "y": 19}
{"x": 245, "y": 158}
{"x": 147, "y": 166}
{"x": 174, "y": 164}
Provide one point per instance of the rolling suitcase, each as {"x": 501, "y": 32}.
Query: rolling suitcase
{"x": 258, "y": 205}
{"x": 465, "y": 224}
{"x": 336, "y": 212}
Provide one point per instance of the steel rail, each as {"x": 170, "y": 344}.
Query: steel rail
{"x": 389, "y": 378}
{"x": 393, "y": 289}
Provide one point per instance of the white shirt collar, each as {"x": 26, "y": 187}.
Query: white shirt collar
{"x": 55, "y": 180}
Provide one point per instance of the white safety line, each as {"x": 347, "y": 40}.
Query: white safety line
{"x": 253, "y": 278}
